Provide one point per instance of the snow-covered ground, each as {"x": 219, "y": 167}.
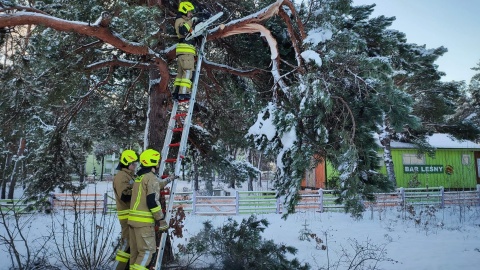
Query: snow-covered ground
{"x": 429, "y": 239}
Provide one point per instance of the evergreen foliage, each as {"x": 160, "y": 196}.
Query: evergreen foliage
{"x": 353, "y": 79}
{"x": 240, "y": 246}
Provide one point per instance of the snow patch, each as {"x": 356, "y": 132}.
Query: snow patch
{"x": 264, "y": 126}
{"x": 318, "y": 35}
{"x": 310, "y": 55}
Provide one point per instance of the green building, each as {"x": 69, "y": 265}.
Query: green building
{"x": 456, "y": 164}
{"x": 109, "y": 163}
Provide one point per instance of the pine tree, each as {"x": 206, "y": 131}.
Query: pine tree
{"x": 324, "y": 78}
{"x": 466, "y": 118}
{"x": 240, "y": 246}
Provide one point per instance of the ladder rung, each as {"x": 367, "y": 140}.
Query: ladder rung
{"x": 174, "y": 144}
{"x": 184, "y": 100}
{"x": 170, "y": 160}
{"x": 178, "y": 115}
{"x": 177, "y": 129}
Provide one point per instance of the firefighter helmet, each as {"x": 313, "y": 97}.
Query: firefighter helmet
{"x": 185, "y": 7}
{"x": 150, "y": 158}
{"x": 128, "y": 157}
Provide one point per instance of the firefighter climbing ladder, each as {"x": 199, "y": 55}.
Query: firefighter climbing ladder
{"x": 176, "y": 117}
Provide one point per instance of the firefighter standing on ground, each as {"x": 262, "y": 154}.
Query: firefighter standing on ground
{"x": 185, "y": 51}
{"x": 122, "y": 186}
{"x": 145, "y": 211}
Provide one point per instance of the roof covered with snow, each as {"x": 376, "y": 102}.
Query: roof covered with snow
{"x": 440, "y": 140}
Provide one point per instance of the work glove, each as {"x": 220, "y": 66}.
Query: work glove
{"x": 161, "y": 225}
{"x": 171, "y": 178}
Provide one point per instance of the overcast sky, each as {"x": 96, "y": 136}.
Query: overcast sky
{"x": 454, "y": 24}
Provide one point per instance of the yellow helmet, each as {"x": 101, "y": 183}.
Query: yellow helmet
{"x": 150, "y": 158}
{"x": 185, "y": 7}
{"x": 128, "y": 156}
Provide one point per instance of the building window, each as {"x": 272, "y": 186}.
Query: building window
{"x": 466, "y": 159}
{"x": 413, "y": 159}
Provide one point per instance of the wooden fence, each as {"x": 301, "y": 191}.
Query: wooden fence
{"x": 79, "y": 202}
{"x": 249, "y": 202}
{"x": 14, "y": 206}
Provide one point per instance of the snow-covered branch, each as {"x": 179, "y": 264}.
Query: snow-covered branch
{"x": 252, "y": 24}
{"x": 5, "y": 8}
{"x": 103, "y": 33}
{"x": 248, "y": 73}
{"x": 120, "y": 63}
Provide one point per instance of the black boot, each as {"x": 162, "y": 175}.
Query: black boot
{"x": 184, "y": 97}
{"x": 175, "y": 93}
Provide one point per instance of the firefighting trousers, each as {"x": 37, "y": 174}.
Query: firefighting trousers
{"x": 186, "y": 65}
{"x": 123, "y": 253}
{"x": 142, "y": 246}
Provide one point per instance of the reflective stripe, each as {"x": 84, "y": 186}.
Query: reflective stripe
{"x": 139, "y": 194}
{"x": 156, "y": 209}
{"x": 177, "y": 81}
{"x": 145, "y": 258}
{"x": 123, "y": 214}
{"x": 183, "y": 83}
{"x": 184, "y": 48}
{"x": 141, "y": 216}
{"x": 122, "y": 256}
{"x": 187, "y": 26}
{"x": 144, "y": 220}
{"x": 138, "y": 267}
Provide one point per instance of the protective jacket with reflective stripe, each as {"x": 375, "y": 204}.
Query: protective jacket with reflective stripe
{"x": 183, "y": 26}
{"x": 122, "y": 185}
{"x": 140, "y": 214}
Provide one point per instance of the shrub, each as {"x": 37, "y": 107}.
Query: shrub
{"x": 240, "y": 246}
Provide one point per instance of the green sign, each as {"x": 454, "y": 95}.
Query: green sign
{"x": 423, "y": 169}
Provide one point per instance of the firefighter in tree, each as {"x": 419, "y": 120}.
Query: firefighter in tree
{"x": 122, "y": 187}
{"x": 185, "y": 51}
{"x": 145, "y": 211}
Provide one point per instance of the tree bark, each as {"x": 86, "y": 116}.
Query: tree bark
{"x": 260, "y": 169}
{"x": 13, "y": 177}
{"x": 93, "y": 30}
{"x": 159, "y": 104}
{"x": 8, "y": 160}
{"x": 386, "y": 140}
{"x": 250, "y": 178}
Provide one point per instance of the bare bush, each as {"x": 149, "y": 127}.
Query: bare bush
{"x": 84, "y": 239}
{"x": 24, "y": 253}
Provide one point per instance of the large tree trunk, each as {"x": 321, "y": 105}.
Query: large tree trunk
{"x": 19, "y": 159}
{"x": 385, "y": 140}
{"x": 260, "y": 169}
{"x": 196, "y": 174}
{"x": 250, "y": 178}
{"x": 232, "y": 179}
{"x": 159, "y": 105}
{"x": 8, "y": 160}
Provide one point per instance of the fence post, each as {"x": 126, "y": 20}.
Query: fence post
{"x": 52, "y": 201}
{"x": 105, "y": 201}
{"x": 320, "y": 198}
{"x": 442, "y": 194}
{"x": 478, "y": 193}
{"x": 278, "y": 204}
{"x": 194, "y": 202}
{"x": 237, "y": 202}
{"x": 402, "y": 195}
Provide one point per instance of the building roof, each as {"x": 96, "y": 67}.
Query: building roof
{"x": 441, "y": 140}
